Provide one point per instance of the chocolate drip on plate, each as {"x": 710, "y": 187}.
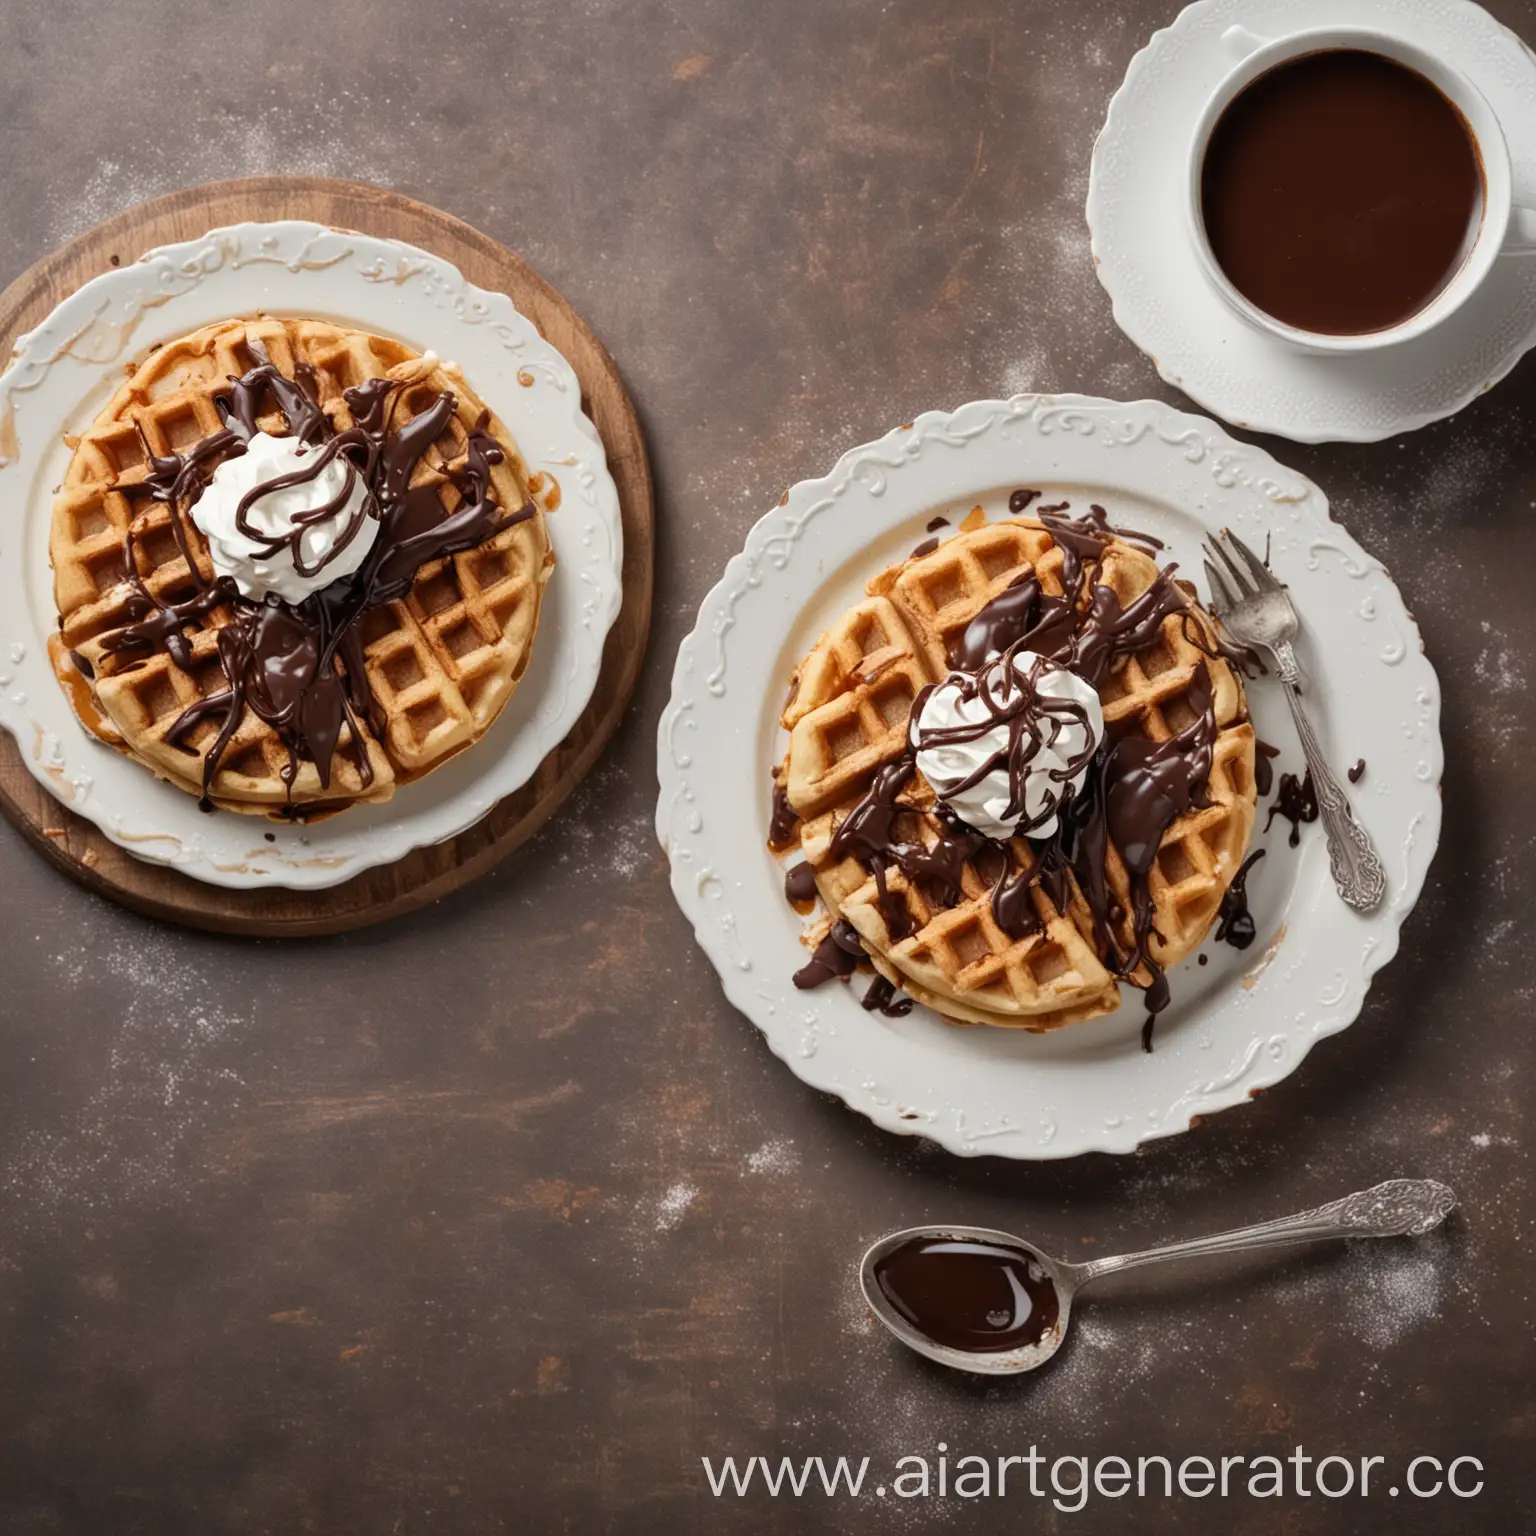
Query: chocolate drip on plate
{"x": 1263, "y": 766}
{"x": 800, "y": 885}
{"x": 1234, "y": 923}
{"x": 882, "y": 997}
{"x": 783, "y": 821}
{"x": 1147, "y": 543}
{"x": 835, "y": 958}
{"x": 1297, "y": 802}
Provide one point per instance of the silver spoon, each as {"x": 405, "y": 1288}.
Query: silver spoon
{"x": 1398, "y": 1208}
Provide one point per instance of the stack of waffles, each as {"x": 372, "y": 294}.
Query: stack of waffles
{"x": 848, "y": 716}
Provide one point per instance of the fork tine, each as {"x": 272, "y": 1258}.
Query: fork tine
{"x": 1261, "y": 572}
{"x": 1239, "y": 583}
{"x": 1219, "y": 589}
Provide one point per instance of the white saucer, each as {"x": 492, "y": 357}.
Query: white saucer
{"x": 1163, "y": 301}
{"x": 1237, "y": 1024}
{"x": 64, "y": 371}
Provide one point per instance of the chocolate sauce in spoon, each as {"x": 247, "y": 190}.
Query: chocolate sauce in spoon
{"x": 965, "y": 1294}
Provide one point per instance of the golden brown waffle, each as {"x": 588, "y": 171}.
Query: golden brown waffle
{"x": 850, "y": 715}
{"x": 442, "y": 661}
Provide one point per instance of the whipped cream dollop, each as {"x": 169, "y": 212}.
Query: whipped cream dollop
{"x": 266, "y": 565}
{"x": 1066, "y": 718}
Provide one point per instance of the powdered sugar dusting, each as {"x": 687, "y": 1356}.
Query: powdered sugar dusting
{"x": 674, "y": 1204}
{"x": 600, "y": 840}
{"x": 161, "y": 1078}
{"x": 1498, "y": 666}
{"x": 288, "y": 134}
{"x": 774, "y": 1157}
{"x": 1393, "y": 1292}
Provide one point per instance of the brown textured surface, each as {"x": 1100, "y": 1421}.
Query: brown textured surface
{"x": 429, "y": 873}
{"x": 496, "y": 1217}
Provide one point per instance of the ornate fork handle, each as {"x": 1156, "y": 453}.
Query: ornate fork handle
{"x": 1398, "y": 1208}
{"x": 1357, "y": 870}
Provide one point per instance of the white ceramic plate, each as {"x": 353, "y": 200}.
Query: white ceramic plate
{"x": 1238, "y": 1024}
{"x": 1163, "y": 301}
{"x": 65, "y": 370}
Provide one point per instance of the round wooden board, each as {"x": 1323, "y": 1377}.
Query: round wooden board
{"x": 74, "y": 844}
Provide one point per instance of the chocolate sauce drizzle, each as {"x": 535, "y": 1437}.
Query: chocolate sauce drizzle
{"x": 783, "y": 820}
{"x": 836, "y": 957}
{"x": 1263, "y": 766}
{"x": 1133, "y": 791}
{"x": 882, "y": 997}
{"x": 1234, "y": 922}
{"x": 800, "y": 885}
{"x": 300, "y": 667}
{"x": 1296, "y": 802}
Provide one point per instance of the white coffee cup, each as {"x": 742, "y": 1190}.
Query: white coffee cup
{"x": 1505, "y": 228}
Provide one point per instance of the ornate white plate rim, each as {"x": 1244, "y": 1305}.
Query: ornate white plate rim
{"x": 1024, "y": 1104}
{"x": 60, "y": 374}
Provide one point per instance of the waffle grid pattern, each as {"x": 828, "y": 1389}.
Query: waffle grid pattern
{"x": 845, "y": 724}
{"x": 442, "y": 661}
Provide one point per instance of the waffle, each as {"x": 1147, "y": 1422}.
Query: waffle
{"x": 442, "y": 661}
{"x": 849, "y": 717}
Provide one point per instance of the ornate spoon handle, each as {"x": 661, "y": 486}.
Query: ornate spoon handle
{"x": 1357, "y": 870}
{"x": 1398, "y": 1208}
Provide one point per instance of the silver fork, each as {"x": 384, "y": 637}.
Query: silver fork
{"x": 1256, "y": 610}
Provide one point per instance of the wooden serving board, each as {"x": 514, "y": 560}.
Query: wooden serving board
{"x": 74, "y": 844}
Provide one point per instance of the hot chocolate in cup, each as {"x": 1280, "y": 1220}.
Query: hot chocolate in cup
{"x": 1348, "y": 191}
